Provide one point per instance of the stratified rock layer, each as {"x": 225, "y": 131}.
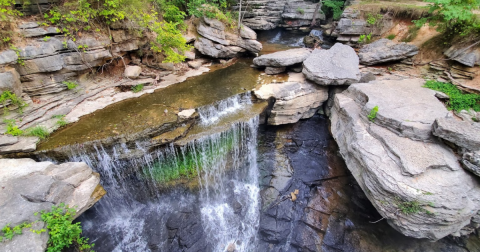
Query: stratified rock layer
{"x": 29, "y": 187}
{"x": 466, "y": 54}
{"x": 336, "y": 66}
{"x": 385, "y": 50}
{"x": 461, "y": 133}
{"x": 397, "y": 172}
{"x": 283, "y": 58}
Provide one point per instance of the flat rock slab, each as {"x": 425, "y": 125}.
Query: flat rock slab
{"x": 385, "y": 50}
{"x": 275, "y": 70}
{"x": 461, "y": 133}
{"x": 404, "y": 106}
{"x": 293, "y": 100}
{"x": 337, "y": 66}
{"x": 8, "y": 140}
{"x": 382, "y": 165}
{"x": 25, "y": 144}
{"x": 283, "y": 58}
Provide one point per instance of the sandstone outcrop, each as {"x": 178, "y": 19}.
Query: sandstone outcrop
{"x": 396, "y": 172}
{"x": 385, "y": 50}
{"x": 30, "y": 187}
{"x": 293, "y": 100}
{"x": 337, "y": 66}
{"x": 217, "y": 42}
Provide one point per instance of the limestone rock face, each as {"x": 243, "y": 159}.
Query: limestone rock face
{"x": 465, "y": 54}
{"x": 226, "y": 44}
{"x": 30, "y": 187}
{"x": 23, "y": 144}
{"x": 385, "y": 50}
{"x": 394, "y": 170}
{"x": 336, "y": 66}
{"x": 283, "y": 58}
{"x": 10, "y": 81}
{"x": 293, "y": 100}
{"x": 8, "y": 57}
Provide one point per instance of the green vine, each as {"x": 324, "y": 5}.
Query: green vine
{"x": 10, "y": 232}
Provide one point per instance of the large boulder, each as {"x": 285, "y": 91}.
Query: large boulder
{"x": 336, "y": 66}
{"x": 294, "y": 100}
{"x": 283, "y": 58}
{"x": 464, "y": 53}
{"x": 208, "y": 47}
{"x": 417, "y": 186}
{"x": 385, "y": 50}
{"x": 29, "y": 187}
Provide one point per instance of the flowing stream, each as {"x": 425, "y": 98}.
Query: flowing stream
{"x": 224, "y": 195}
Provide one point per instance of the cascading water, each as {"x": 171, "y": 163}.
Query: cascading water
{"x": 144, "y": 199}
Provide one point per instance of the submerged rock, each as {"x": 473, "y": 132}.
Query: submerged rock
{"x": 336, "y": 66}
{"x": 293, "y": 100}
{"x": 283, "y": 58}
{"x": 396, "y": 172}
{"x": 29, "y": 187}
{"x": 385, "y": 50}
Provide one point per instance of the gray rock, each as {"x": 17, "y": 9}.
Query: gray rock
{"x": 300, "y": 13}
{"x": 247, "y": 33}
{"x": 393, "y": 170}
{"x": 283, "y": 58}
{"x": 187, "y": 113}
{"x": 8, "y": 57}
{"x": 28, "y": 25}
{"x": 412, "y": 119}
{"x": 367, "y": 77}
{"x": 51, "y": 47}
{"x": 167, "y": 66}
{"x": 10, "y": 81}
{"x": 41, "y": 65}
{"x": 275, "y": 70}
{"x": 336, "y": 66}
{"x": 42, "y": 84}
{"x": 195, "y": 64}
{"x": 8, "y": 140}
{"x": 347, "y": 26}
{"x": 25, "y": 144}
{"x": 209, "y": 48}
{"x": 471, "y": 162}
{"x": 465, "y": 54}
{"x": 40, "y": 31}
{"x": 213, "y": 30}
{"x": 132, "y": 72}
{"x": 461, "y": 133}
{"x": 293, "y": 100}
{"x": 385, "y": 50}
{"x": 259, "y": 24}
{"x": 30, "y": 187}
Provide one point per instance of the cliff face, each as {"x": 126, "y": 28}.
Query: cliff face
{"x": 267, "y": 15}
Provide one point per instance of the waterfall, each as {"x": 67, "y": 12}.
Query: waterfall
{"x": 141, "y": 189}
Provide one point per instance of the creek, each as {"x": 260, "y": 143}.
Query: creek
{"x": 224, "y": 186}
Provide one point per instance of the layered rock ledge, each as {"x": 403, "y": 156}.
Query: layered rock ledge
{"x": 396, "y": 172}
{"x": 28, "y": 187}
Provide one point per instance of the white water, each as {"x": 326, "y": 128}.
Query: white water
{"x": 228, "y": 195}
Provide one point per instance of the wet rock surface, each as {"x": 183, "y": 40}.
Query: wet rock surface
{"x": 380, "y": 157}
{"x": 29, "y": 187}
{"x": 331, "y": 212}
{"x": 385, "y": 50}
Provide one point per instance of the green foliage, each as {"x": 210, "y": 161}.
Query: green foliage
{"x": 373, "y": 19}
{"x": 61, "y": 120}
{"x": 458, "y": 100}
{"x": 14, "y": 100}
{"x": 455, "y": 17}
{"x": 373, "y": 113}
{"x": 63, "y": 233}
{"x": 70, "y": 84}
{"x": 37, "y": 131}
{"x": 172, "y": 13}
{"x": 7, "y": 232}
{"x": 391, "y": 36}
{"x": 17, "y": 51}
{"x": 333, "y": 7}
{"x": 169, "y": 41}
{"x": 6, "y": 10}
{"x": 365, "y": 38}
{"x": 12, "y": 128}
{"x": 46, "y": 38}
{"x": 300, "y": 10}
{"x": 410, "y": 207}
{"x": 137, "y": 88}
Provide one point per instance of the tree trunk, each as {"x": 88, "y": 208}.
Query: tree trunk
{"x": 315, "y": 13}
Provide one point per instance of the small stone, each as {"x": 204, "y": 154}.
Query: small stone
{"x": 132, "y": 72}
{"x": 195, "y": 64}
{"x": 185, "y": 114}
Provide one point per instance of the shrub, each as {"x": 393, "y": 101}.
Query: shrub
{"x": 14, "y": 100}
{"x": 458, "y": 100}
{"x": 333, "y": 7}
{"x": 373, "y": 19}
{"x": 391, "y": 36}
{"x": 12, "y": 128}
{"x": 37, "y": 131}
{"x": 137, "y": 88}
{"x": 63, "y": 233}
{"x": 365, "y": 38}
{"x": 70, "y": 84}
{"x": 373, "y": 113}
